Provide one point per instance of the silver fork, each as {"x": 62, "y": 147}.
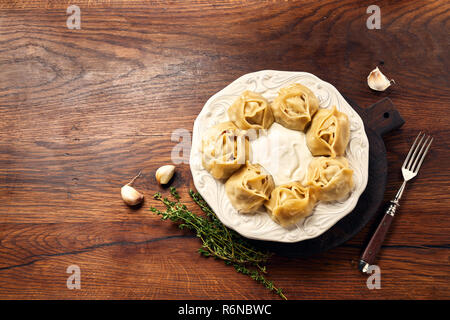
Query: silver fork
{"x": 410, "y": 168}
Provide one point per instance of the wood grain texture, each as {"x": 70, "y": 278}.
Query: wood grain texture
{"x": 82, "y": 111}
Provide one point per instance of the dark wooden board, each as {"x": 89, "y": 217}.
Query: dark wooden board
{"x": 379, "y": 119}
{"x": 82, "y": 111}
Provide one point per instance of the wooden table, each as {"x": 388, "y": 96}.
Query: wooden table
{"x": 82, "y": 111}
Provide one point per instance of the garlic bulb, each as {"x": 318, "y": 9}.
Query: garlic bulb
{"x": 130, "y": 195}
{"x": 164, "y": 174}
{"x": 378, "y": 81}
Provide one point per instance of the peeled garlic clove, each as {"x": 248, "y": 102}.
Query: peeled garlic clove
{"x": 130, "y": 195}
{"x": 378, "y": 81}
{"x": 164, "y": 174}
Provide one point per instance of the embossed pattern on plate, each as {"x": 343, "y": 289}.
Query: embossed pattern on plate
{"x": 260, "y": 226}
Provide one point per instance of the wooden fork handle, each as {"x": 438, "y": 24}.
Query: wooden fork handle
{"x": 372, "y": 249}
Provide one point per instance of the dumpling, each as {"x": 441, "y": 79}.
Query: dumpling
{"x": 249, "y": 187}
{"x": 290, "y": 202}
{"x": 224, "y": 150}
{"x": 331, "y": 178}
{"x": 251, "y": 111}
{"x": 329, "y": 133}
{"x": 294, "y": 106}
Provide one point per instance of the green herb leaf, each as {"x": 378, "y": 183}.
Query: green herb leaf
{"x": 217, "y": 240}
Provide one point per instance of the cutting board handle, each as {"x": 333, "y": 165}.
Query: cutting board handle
{"x": 382, "y": 117}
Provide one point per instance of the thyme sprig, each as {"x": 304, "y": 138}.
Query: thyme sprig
{"x": 217, "y": 240}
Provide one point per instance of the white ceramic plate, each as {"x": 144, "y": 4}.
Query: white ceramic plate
{"x": 279, "y": 148}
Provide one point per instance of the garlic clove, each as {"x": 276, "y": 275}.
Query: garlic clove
{"x": 130, "y": 195}
{"x": 378, "y": 81}
{"x": 164, "y": 174}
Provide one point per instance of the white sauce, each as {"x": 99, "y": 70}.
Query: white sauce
{"x": 282, "y": 152}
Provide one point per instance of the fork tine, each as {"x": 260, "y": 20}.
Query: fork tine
{"x": 423, "y": 156}
{"x": 414, "y": 155}
{"x": 420, "y": 148}
{"x": 408, "y": 157}
{"x": 417, "y": 152}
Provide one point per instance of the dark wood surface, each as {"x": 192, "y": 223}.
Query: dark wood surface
{"x": 82, "y": 111}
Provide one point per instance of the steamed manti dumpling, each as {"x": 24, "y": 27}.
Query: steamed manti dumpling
{"x": 329, "y": 133}
{"x": 294, "y": 106}
{"x": 331, "y": 178}
{"x": 290, "y": 202}
{"x": 249, "y": 187}
{"x": 224, "y": 150}
{"x": 251, "y": 111}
